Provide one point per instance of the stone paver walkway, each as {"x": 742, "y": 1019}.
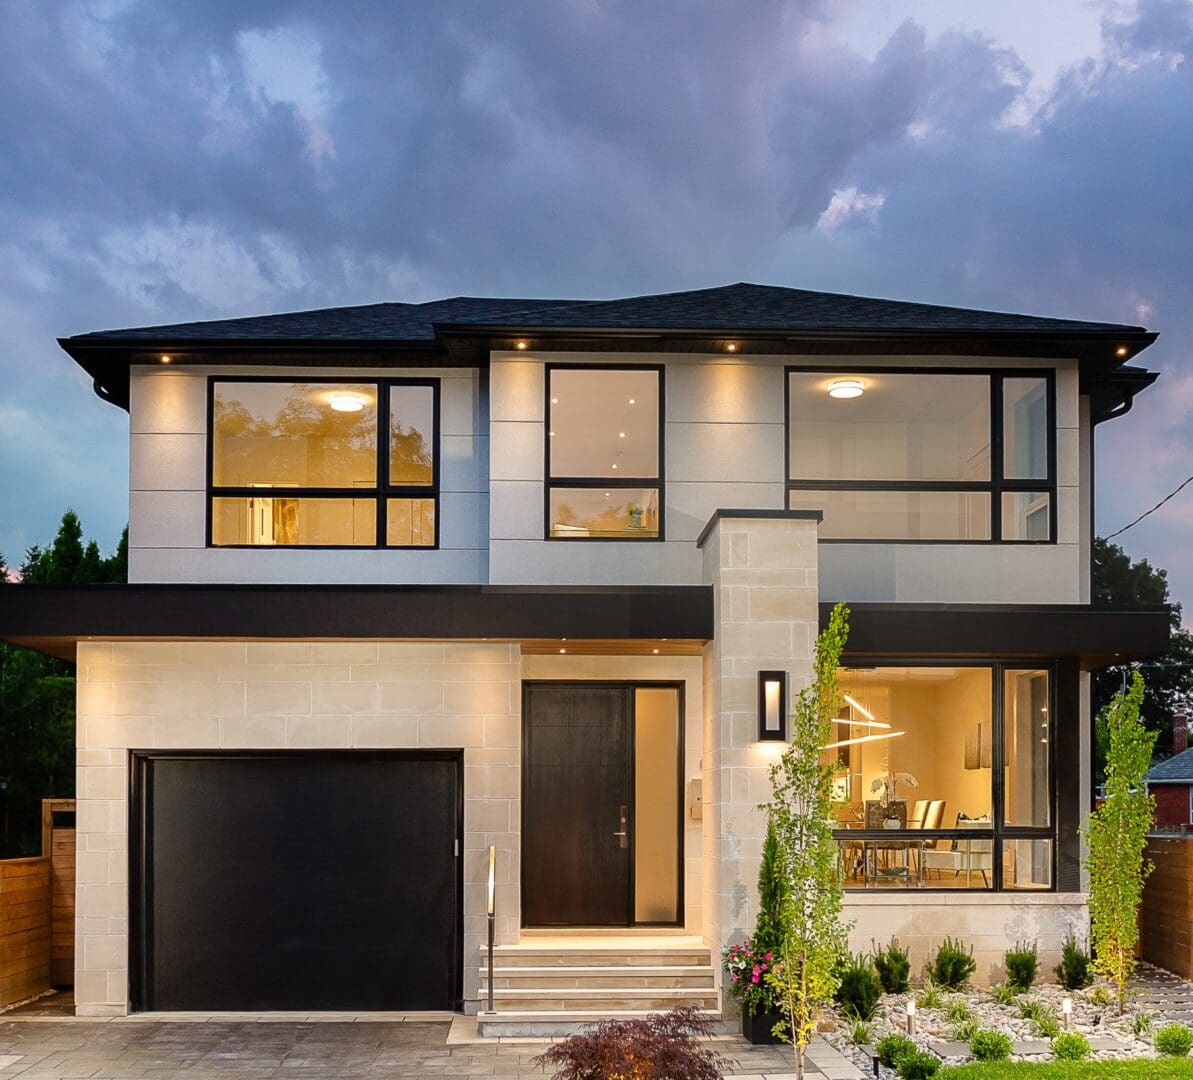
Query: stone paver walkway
{"x": 47, "y": 1049}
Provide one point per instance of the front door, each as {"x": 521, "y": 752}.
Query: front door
{"x": 577, "y": 774}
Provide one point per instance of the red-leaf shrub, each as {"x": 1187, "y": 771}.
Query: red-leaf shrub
{"x": 661, "y": 1047}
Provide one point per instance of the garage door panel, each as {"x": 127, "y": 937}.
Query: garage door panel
{"x": 302, "y": 881}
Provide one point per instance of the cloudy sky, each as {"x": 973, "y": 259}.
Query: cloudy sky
{"x": 164, "y": 161}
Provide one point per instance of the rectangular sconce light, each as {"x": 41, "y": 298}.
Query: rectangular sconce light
{"x": 772, "y": 706}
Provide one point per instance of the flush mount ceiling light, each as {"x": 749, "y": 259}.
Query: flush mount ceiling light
{"x": 846, "y": 388}
{"x": 346, "y": 402}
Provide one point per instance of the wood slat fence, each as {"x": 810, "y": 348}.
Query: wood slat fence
{"x": 37, "y": 905}
{"x": 1166, "y": 917}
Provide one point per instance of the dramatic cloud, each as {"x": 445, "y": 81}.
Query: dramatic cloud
{"x": 166, "y": 161}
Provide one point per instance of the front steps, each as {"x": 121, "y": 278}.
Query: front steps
{"x": 556, "y": 985}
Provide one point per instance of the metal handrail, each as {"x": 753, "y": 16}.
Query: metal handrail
{"x": 492, "y": 912}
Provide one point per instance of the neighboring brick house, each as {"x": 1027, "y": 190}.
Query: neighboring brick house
{"x": 414, "y": 583}
{"x": 1171, "y": 781}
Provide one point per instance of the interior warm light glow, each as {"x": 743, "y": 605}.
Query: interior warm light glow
{"x": 861, "y": 708}
{"x": 633, "y": 402}
{"x": 346, "y": 402}
{"x": 862, "y": 739}
{"x": 731, "y": 346}
{"x": 655, "y": 651}
{"x": 167, "y": 359}
{"x": 846, "y": 388}
{"x": 521, "y": 345}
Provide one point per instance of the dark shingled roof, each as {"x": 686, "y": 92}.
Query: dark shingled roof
{"x": 740, "y": 307}
{"x": 1176, "y": 769}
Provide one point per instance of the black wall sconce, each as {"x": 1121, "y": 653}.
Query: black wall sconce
{"x": 772, "y": 706}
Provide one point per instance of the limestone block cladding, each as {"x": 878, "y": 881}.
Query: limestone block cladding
{"x": 238, "y": 695}
{"x": 763, "y": 571}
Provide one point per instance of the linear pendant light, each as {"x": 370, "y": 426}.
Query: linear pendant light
{"x": 862, "y": 739}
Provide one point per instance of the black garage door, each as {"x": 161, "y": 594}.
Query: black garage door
{"x": 296, "y": 881}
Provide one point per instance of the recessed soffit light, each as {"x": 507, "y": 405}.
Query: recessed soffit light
{"x": 846, "y": 388}
{"x": 346, "y": 402}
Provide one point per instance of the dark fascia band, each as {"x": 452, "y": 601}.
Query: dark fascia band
{"x": 788, "y": 515}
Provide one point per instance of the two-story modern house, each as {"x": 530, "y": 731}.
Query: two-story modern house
{"x": 414, "y": 583}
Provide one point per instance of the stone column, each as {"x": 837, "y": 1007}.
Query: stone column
{"x": 762, "y": 566}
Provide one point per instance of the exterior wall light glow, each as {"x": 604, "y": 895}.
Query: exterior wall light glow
{"x": 772, "y": 706}
{"x": 846, "y": 388}
{"x": 346, "y": 402}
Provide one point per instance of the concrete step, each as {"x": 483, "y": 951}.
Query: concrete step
{"x": 607, "y": 999}
{"x": 700, "y": 976}
{"x": 532, "y": 1023}
{"x": 598, "y": 954}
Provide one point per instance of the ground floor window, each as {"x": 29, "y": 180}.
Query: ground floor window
{"x": 944, "y": 776}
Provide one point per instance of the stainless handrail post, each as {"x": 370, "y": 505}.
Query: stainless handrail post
{"x": 492, "y": 915}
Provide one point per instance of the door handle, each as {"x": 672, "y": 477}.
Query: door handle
{"x": 623, "y": 833}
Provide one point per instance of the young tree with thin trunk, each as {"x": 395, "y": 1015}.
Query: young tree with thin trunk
{"x": 1117, "y": 839}
{"x": 800, "y": 813}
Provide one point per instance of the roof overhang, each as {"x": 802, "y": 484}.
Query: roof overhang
{"x": 108, "y": 359}
{"x": 53, "y": 619}
{"x": 1097, "y": 637}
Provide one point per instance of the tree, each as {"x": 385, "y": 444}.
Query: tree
{"x": 1117, "y": 839}
{"x": 800, "y": 812}
{"x": 1119, "y": 582}
{"x": 772, "y": 889}
{"x": 37, "y": 693}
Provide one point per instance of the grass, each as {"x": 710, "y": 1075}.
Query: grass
{"x": 1071, "y": 1070}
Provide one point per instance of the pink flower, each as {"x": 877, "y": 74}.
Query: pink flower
{"x": 755, "y": 979}
{"x": 769, "y": 956}
{"x": 736, "y": 976}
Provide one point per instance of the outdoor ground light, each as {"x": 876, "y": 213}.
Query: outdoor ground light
{"x": 772, "y": 706}
{"x": 1066, "y": 1007}
{"x": 911, "y": 1017}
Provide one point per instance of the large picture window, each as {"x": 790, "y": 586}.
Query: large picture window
{"x": 324, "y": 463}
{"x": 604, "y": 453}
{"x": 934, "y": 456}
{"x": 944, "y": 777}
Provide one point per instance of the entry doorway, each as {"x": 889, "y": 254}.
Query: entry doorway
{"x": 602, "y": 804}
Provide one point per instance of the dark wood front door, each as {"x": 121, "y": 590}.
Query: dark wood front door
{"x": 577, "y": 804}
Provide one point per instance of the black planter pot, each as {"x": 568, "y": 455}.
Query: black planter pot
{"x": 758, "y": 1028}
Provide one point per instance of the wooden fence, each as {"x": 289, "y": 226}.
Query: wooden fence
{"x": 37, "y": 905}
{"x": 1166, "y": 918}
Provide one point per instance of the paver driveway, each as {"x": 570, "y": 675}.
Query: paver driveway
{"x": 138, "y": 1050}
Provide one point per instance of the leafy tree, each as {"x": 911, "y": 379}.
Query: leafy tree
{"x": 800, "y": 812}
{"x": 37, "y": 693}
{"x": 1117, "y": 839}
{"x": 1168, "y": 689}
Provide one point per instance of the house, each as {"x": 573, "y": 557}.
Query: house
{"x": 1170, "y": 781}
{"x": 496, "y": 607}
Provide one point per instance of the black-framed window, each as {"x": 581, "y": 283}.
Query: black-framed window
{"x": 323, "y": 462}
{"x": 946, "y": 776}
{"x": 942, "y": 455}
{"x": 604, "y": 452}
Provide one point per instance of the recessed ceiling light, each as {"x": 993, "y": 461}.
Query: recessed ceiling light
{"x": 167, "y": 359}
{"x": 655, "y": 651}
{"x": 615, "y": 464}
{"x": 632, "y": 402}
{"x": 521, "y": 344}
{"x": 621, "y": 434}
{"x": 606, "y": 494}
{"x": 1122, "y": 350}
{"x": 555, "y": 401}
{"x": 731, "y": 346}
{"x": 846, "y": 388}
{"x": 551, "y": 433}
{"x": 346, "y": 402}
{"x": 563, "y": 650}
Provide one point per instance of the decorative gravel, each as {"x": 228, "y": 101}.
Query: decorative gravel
{"x": 1110, "y": 1035}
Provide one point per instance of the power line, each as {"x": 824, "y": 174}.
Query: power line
{"x": 1152, "y": 510}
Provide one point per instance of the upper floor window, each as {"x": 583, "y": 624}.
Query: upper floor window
{"x": 324, "y": 463}
{"x": 604, "y": 453}
{"x": 923, "y": 455}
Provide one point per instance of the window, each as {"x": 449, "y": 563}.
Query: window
{"x": 324, "y": 463}
{"x": 604, "y": 453}
{"x": 893, "y": 455}
{"x": 944, "y": 777}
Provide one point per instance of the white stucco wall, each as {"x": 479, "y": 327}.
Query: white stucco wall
{"x": 724, "y": 448}
{"x": 168, "y": 477}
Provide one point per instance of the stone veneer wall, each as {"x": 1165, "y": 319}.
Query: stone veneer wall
{"x": 989, "y": 922}
{"x": 238, "y": 695}
{"x": 763, "y": 571}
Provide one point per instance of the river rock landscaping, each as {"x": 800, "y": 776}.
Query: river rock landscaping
{"x": 946, "y": 1020}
